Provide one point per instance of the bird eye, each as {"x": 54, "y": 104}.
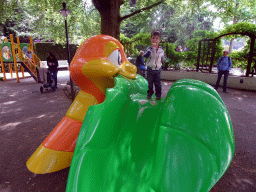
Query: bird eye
{"x": 115, "y": 57}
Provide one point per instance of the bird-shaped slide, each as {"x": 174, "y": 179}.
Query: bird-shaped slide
{"x": 118, "y": 140}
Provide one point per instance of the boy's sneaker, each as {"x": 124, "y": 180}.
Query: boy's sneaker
{"x": 148, "y": 97}
{"x": 158, "y": 98}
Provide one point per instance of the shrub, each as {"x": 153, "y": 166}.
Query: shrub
{"x": 42, "y": 50}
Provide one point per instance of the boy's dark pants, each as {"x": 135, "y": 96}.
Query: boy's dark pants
{"x": 220, "y": 73}
{"x": 154, "y": 77}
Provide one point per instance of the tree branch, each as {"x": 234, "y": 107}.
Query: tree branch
{"x": 140, "y": 10}
{"x": 90, "y": 12}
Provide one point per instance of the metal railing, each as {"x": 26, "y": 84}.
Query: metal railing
{"x": 31, "y": 63}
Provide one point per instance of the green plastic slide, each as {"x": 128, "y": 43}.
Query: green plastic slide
{"x": 184, "y": 142}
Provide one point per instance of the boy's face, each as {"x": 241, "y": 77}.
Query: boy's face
{"x": 155, "y": 40}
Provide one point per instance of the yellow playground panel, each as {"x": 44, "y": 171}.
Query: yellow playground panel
{"x": 12, "y": 54}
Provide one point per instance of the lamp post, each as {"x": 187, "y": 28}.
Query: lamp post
{"x": 65, "y": 12}
{"x": 163, "y": 29}
{"x": 2, "y": 38}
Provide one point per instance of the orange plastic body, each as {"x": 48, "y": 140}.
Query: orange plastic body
{"x": 64, "y": 135}
{"x": 97, "y": 61}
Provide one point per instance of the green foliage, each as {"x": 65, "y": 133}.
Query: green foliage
{"x": 12, "y": 18}
{"x": 172, "y": 56}
{"x": 239, "y": 59}
{"x": 139, "y": 23}
{"x": 42, "y": 50}
{"x": 246, "y": 52}
{"x": 235, "y": 11}
{"x": 142, "y": 39}
{"x": 243, "y": 27}
{"x": 124, "y": 39}
{"x": 182, "y": 20}
{"x": 43, "y": 21}
{"x": 133, "y": 45}
{"x": 50, "y": 24}
{"x": 186, "y": 23}
{"x": 197, "y": 36}
{"x": 190, "y": 57}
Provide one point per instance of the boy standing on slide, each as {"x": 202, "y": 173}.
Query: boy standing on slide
{"x": 155, "y": 57}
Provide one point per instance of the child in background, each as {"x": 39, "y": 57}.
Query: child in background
{"x": 29, "y": 54}
{"x": 140, "y": 64}
{"x": 155, "y": 55}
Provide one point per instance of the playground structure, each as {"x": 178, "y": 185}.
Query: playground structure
{"x": 118, "y": 140}
{"x": 18, "y": 55}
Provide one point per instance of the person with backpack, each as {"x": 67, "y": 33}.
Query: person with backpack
{"x": 52, "y": 63}
{"x": 224, "y": 64}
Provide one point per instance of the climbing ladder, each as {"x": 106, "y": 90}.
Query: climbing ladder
{"x": 12, "y": 53}
{"x": 30, "y": 64}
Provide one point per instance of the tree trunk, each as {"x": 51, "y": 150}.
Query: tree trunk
{"x": 231, "y": 45}
{"x": 110, "y": 24}
{"x": 110, "y": 16}
{"x": 235, "y": 21}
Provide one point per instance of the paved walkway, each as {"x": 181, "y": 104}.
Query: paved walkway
{"x": 27, "y": 117}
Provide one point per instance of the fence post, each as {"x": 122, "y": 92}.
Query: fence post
{"x": 212, "y": 55}
{"x": 198, "y": 56}
{"x": 2, "y": 63}
{"x": 20, "y": 57}
{"x": 14, "y": 58}
{"x": 248, "y": 70}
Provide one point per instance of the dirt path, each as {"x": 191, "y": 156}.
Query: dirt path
{"x": 27, "y": 117}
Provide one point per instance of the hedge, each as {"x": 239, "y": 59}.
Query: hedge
{"x": 42, "y": 50}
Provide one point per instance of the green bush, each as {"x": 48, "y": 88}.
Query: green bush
{"x": 142, "y": 39}
{"x": 190, "y": 57}
{"x": 246, "y": 53}
{"x": 133, "y": 45}
{"x": 173, "y": 57}
{"x": 42, "y": 50}
{"x": 124, "y": 39}
{"x": 239, "y": 59}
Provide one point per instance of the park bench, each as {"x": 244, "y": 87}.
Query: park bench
{"x": 63, "y": 64}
